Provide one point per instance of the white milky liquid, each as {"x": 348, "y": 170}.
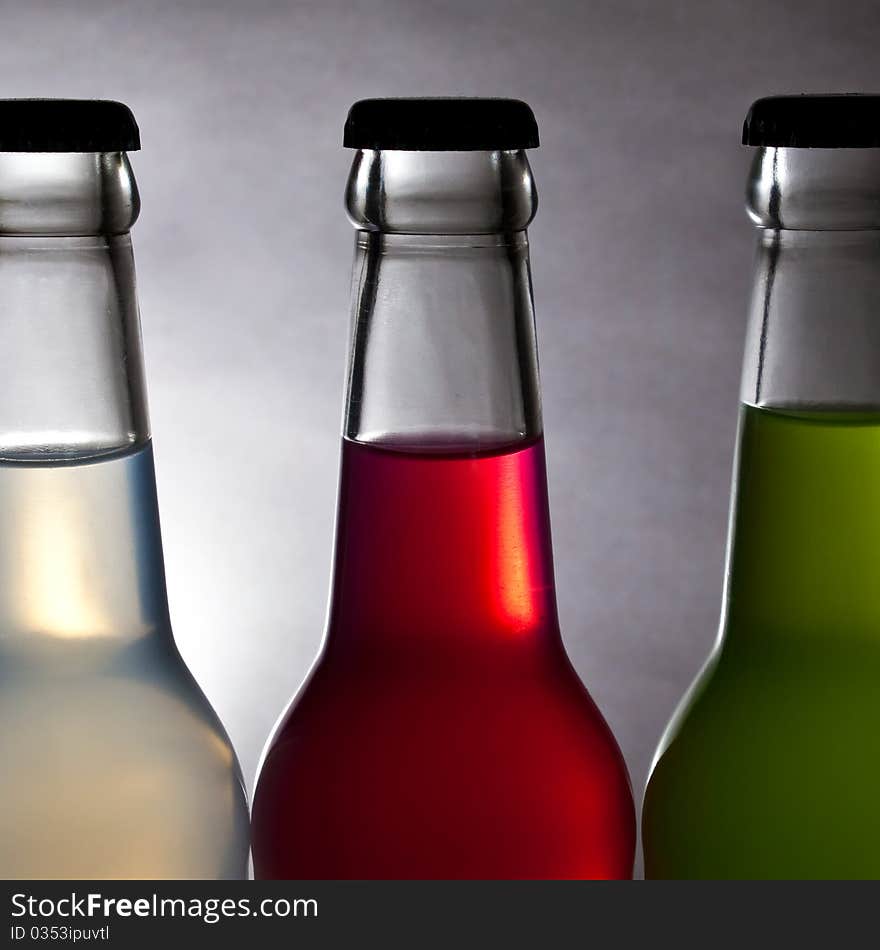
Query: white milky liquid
{"x": 112, "y": 762}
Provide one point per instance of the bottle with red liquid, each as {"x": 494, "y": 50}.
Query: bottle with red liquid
{"x": 442, "y": 732}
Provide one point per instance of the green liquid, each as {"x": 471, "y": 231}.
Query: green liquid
{"x": 771, "y": 767}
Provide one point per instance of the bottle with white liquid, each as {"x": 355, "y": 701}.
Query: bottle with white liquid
{"x": 114, "y": 765}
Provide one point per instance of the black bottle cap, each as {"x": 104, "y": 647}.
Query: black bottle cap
{"x": 441, "y": 125}
{"x": 846, "y": 120}
{"x": 67, "y": 125}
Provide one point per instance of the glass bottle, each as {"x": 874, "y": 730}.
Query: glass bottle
{"x": 442, "y": 732}
{"x": 114, "y": 764}
{"x": 768, "y": 768}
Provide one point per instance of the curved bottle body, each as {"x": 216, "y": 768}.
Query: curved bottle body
{"x": 767, "y": 769}
{"x": 115, "y": 765}
{"x": 442, "y": 732}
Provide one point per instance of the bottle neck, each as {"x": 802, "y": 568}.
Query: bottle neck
{"x": 443, "y": 350}
{"x": 75, "y": 387}
{"x": 445, "y": 553}
{"x": 813, "y": 340}
{"x": 806, "y": 506}
{"x": 804, "y": 527}
{"x": 442, "y": 531}
{"x": 82, "y": 569}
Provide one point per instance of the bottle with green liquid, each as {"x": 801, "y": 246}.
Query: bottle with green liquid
{"x": 770, "y": 768}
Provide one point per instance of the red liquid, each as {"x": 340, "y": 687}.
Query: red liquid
{"x": 443, "y": 732}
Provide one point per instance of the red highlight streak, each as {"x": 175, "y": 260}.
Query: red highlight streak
{"x": 515, "y": 574}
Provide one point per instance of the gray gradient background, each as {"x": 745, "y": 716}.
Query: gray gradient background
{"x": 641, "y": 256}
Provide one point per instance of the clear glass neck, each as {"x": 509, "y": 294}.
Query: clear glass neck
{"x": 74, "y": 387}
{"x": 443, "y": 352}
{"x": 813, "y": 341}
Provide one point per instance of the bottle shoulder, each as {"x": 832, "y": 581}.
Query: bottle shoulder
{"x": 457, "y": 775}
{"x": 767, "y": 770}
{"x": 516, "y": 712}
{"x": 766, "y": 715}
{"x": 136, "y": 763}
